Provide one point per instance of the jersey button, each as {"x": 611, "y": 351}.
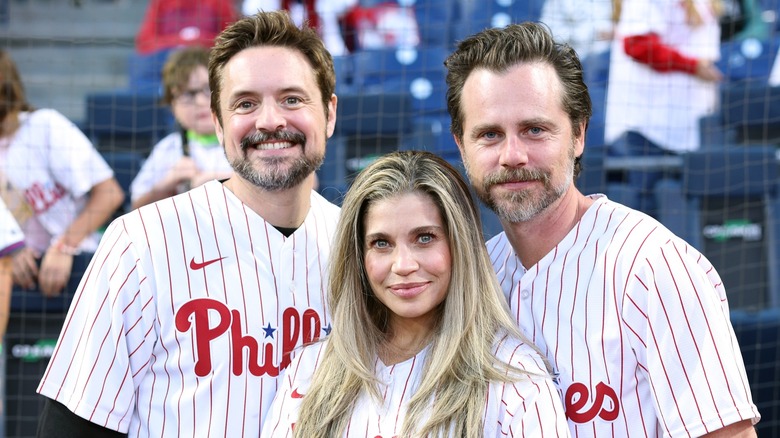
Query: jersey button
{"x": 525, "y": 294}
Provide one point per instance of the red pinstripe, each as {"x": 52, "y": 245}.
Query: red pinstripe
{"x": 149, "y": 369}
{"x": 609, "y": 319}
{"x": 530, "y": 405}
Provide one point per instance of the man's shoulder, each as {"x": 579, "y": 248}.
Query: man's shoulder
{"x": 320, "y": 203}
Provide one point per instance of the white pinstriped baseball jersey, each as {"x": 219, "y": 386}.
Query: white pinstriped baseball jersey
{"x": 529, "y": 407}
{"x": 182, "y": 320}
{"x": 635, "y": 323}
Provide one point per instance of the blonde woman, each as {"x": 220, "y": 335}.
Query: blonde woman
{"x": 422, "y": 343}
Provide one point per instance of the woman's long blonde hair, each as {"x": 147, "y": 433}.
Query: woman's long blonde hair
{"x": 460, "y": 365}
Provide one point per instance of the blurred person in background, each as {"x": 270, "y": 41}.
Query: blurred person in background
{"x": 50, "y": 169}
{"x": 171, "y": 24}
{"x": 662, "y": 81}
{"x": 192, "y": 155}
{"x": 587, "y": 26}
{"x": 323, "y": 15}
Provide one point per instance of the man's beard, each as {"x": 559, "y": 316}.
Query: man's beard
{"x": 522, "y": 206}
{"x": 273, "y": 174}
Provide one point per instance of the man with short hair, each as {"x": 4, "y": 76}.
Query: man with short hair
{"x": 633, "y": 320}
{"x": 191, "y": 306}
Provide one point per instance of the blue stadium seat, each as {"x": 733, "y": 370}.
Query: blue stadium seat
{"x": 727, "y": 205}
{"x": 434, "y": 19}
{"x": 595, "y": 133}
{"x": 752, "y": 111}
{"x": 125, "y": 119}
{"x": 494, "y": 13}
{"x": 419, "y": 70}
{"x": 145, "y": 71}
{"x": 748, "y": 60}
{"x": 640, "y": 178}
{"x": 758, "y": 334}
{"x": 420, "y": 74}
{"x": 126, "y": 165}
{"x": 368, "y": 125}
{"x": 343, "y": 67}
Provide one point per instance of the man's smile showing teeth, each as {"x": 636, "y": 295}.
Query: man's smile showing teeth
{"x": 273, "y": 145}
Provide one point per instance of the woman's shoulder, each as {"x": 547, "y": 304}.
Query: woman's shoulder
{"x": 308, "y": 356}
{"x": 520, "y": 354}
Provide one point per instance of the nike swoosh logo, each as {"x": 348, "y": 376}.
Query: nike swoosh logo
{"x": 195, "y": 265}
{"x": 296, "y": 394}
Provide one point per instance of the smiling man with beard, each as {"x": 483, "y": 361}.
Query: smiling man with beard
{"x": 192, "y": 305}
{"x": 633, "y": 320}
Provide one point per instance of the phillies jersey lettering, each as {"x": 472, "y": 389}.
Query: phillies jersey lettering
{"x": 296, "y": 328}
{"x": 187, "y": 313}
{"x": 605, "y": 403}
{"x": 42, "y": 197}
{"x": 633, "y": 321}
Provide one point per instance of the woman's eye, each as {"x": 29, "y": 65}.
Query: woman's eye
{"x": 426, "y": 238}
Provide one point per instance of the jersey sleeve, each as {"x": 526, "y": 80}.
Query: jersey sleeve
{"x": 530, "y": 406}
{"x": 678, "y": 320}
{"x": 75, "y": 163}
{"x": 648, "y": 49}
{"x": 164, "y": 155}
{"x": 293, "y": 387}
{"x": 106, "y": 342}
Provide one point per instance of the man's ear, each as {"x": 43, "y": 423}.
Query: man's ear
{"x": 217, "y": 128}
{"x": 332, "y": 107}
{"x": 579, "y": 141}
{"x": 458, "y": 142}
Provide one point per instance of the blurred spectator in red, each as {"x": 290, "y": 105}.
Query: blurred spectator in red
{"x": 174, "y": 23}
{"x": 171, "y": 24}
{"x": 324, "y": 15}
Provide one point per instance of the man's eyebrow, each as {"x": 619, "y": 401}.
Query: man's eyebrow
{"x": 474, "y": 132}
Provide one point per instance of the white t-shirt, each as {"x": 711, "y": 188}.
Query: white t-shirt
{"x": 11, "y": 237}
{"x": 186, "y": 313}
{"x": 167, "y": 152}
{"x": 583, "y": 24}
{"x": 663, "y": 106}
{"x": 635, "y": 323}
{"x": 530, "y": 407}
{"x": 54, "y": 164}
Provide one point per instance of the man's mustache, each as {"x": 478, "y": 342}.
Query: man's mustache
{"x": 261, "y": 137}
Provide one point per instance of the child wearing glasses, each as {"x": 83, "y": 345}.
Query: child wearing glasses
{"x": 192, "y": 155}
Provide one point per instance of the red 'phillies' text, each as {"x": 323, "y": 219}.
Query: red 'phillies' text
{"x": 295, "y": 328}
{"x": 577, "y": 396}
